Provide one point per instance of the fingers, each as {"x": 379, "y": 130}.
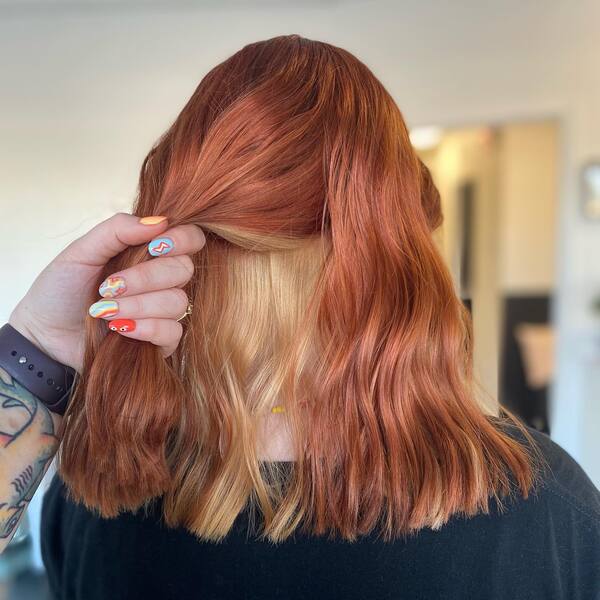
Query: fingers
{"x": 150, "y": 317}
{"x": 157, "y": 274}
{"x": 183, "y": 239}
{"x": 150, "y": 299}
{"x": 165, "y": 333}
{"x": 112, "y": 236}
{"x": 163, "y": 304}
{"x": 163, "y": 272}
{"x": 116, "y": 233}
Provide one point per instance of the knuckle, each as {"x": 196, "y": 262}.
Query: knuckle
{"x": 163, "y": 304}
{"x": 180, "y": 298}
{"x": 170, "y": 302}
{"x": 197, "y": 235}
{"x": 201, "y": 236}
{"x": 177, "y": 331}
{"x": 188, "y": 265}
{"x": 119, "y": 218}
{"x": 137, "y": 305}
{"x": 144, "y": 274}
{"x": 152, "y": 329}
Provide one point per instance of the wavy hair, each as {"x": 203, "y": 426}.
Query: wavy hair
{"x": 320, "y": 288}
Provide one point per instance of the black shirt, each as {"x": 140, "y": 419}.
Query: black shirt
{"x": 543, "y": 548}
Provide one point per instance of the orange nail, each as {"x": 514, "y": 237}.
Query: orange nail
{"x": 155, "y": 220}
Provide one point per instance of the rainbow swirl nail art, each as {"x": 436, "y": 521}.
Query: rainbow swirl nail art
{"x": 103, "y": 309}
{"x": 112, "y": 287}
{"x": 160, "y": 246}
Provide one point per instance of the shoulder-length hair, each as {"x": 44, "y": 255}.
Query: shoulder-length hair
{"x": 320, "y": 288}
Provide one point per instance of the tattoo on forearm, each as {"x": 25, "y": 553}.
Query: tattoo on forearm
{"x": 27, "y": 445}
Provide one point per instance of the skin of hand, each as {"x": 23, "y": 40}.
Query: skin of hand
{"x": 147, "y": 298}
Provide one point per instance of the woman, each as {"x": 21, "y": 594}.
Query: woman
{"x": 276, "y": 397}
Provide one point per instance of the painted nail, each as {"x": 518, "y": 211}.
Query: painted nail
{"x": 121, "y": 325}
{"x": 155, "y": 220}
{"x": 112, "y": 287}
{"x": 160, "y": 246}
{"x": 103, "y": 309}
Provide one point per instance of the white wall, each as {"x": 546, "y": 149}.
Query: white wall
{"x": 528, "y": 186}
{"x": 471, "y": 155}
{"x": 84, "y": 92}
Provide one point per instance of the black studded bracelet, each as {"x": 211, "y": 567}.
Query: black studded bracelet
{"x": 47, "y": 379}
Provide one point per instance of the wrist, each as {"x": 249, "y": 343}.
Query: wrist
{"x": 29, "y": 328}
{"x": 42, "y": 375}
{"x": 20, "y": 325}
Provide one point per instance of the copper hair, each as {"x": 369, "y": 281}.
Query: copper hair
{"x": 321, "y": 288}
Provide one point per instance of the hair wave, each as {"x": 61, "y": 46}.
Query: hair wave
{"x": 320, "y": 287}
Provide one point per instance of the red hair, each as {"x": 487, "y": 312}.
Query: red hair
{"x": 292, "y": 151}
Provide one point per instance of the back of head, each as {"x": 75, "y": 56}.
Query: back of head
{"x": 320, "y": 287}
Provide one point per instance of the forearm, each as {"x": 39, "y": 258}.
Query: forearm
{"x": 28, "y": 443}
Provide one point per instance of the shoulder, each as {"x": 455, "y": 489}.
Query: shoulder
{"x": 562, "y": 480}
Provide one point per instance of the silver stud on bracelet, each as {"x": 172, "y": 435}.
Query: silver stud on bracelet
{"x": 22, "y": 359}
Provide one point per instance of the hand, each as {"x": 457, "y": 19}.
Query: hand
{"x": 150, "y": 300}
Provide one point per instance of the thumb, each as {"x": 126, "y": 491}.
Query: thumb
{"x": 112, "y": 236}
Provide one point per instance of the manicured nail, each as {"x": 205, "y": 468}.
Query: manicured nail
{"x": 112, "y": 287}
{"x": 152, "y": 220}
{"x": 160, "y": 246}
{"x": 121, "y": 325}
{"x": 103, "y": 309}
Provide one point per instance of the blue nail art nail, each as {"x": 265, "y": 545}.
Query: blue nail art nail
{"x": 160, "y": 246}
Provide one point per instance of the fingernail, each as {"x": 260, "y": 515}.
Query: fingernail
{"x": 121, "y": 325}
{"x": 103, "y": 309}
{"x": 154, "y": 220}
{"x": 112, "y": 287}
{"x": 160, "y": 246}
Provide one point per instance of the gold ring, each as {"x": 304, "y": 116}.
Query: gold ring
{"x": 188, "y": 311}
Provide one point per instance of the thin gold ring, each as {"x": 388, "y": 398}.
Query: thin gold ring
{"x": 188, "y": 311}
